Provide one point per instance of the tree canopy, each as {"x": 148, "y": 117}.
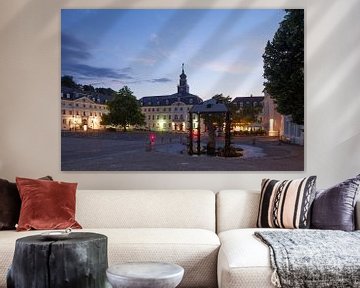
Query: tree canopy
{"x": 124, "y": 110}
{"x": 284, "y": 66}
{"x": 68, "y": 81}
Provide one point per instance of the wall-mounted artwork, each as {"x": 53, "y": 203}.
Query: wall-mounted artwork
{"x": 182, "y": 90}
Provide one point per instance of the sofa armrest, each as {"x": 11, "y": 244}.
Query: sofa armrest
{"x": 357, "y": 215}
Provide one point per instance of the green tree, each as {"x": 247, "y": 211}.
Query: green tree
{"x": 88, "y": 88}
{"x": 284, "y": 66}
{"x": 68, "y": 81}
{"x": 124, "y": 110}
{"x": 106, "y": 91}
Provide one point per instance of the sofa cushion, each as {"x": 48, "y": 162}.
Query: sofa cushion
{"x": 244, "y": 261}
{"x": 46, "y": 204}
{"x": 236, "y": 209}
{"x": 286, "y": 204}
{"x": 196, "y": 250}
{"x": 153, "y": 209}
{"x": 10, "y": 204}
{"x": 334, "y": 208}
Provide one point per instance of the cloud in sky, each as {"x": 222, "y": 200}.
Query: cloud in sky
{"x": 160, "y": 80}
{"x": 74, "y": 54}
{"x": 95, "y": 72}
{"x": 221, "y": 48}
{"x": 232, "y": 67}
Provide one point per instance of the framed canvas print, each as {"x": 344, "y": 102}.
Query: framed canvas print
{"x": 182, "y": 90}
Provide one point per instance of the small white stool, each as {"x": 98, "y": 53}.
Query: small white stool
{"x": 145, "y": 275}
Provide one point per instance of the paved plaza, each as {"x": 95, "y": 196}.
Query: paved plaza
{"x": 131, "y": 151}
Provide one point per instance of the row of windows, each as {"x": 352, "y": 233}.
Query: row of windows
{"x": 84, "y": 113}
{"x": 164, "y": 109}
{"x": 84, "y": 105}
{"x": 68, "y": 96}
{"x": 247, "y": 103}
{"x": 176, "y": 117}
{"x": 166, "y": 102}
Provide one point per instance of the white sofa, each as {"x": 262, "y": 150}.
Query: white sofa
{"x": 175, "y": 226}
{"x": 243, "y": 261}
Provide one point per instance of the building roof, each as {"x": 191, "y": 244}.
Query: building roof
{"x": 209, "y": 106}
{"x": 77, "y": 94}
{"x": 250, "y": 99}
{"x": 166, "y": 100}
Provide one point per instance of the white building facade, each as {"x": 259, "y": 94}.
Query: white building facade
{"x": 169, "y": 112}
{"x": 80, "y": 111}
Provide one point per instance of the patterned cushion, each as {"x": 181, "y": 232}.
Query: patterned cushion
{"x": 286, "y": 204}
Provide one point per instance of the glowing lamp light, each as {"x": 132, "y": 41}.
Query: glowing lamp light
{"x": 152, "y": 138}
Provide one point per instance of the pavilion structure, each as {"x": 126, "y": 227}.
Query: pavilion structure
{"x": 208, "y": 107}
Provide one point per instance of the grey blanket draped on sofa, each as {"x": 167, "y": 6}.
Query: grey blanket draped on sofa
{"x": 313, "y": 258}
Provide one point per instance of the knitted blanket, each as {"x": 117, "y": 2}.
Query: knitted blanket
{"x": 313, "y": 258}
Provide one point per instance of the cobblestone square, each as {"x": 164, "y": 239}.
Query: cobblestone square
{"x": 130, "y": 151}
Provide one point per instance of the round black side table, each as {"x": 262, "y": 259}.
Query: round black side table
{"x": 78, "y": 261}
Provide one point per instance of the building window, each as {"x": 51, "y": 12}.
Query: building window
{"x": 90, "y": 113}
{"x": 95, "y": 114}
{"x": 181, "y": 108}
{"x": 153, "y": 117}
{"x": 64, "y": 121}
{"x": 84, "y": 113}
{"x": 176, "y": 117}
{"x": 169, "y": 117}
{"x": 77, "y": 105}
{"x": 153, "y": 125}
{"x": 70, "y": 112}
{"x": 153, "y": 109}
{"x": 68, "y": 96}
{"x": 164, "y": 117}
{"x": 149, "y": 117}
{"x": 169, "y": 109}
{"x": 63, "y": 112}
{"x": 77, "y": 112}
{"x": 157, "y": 109}
{"x": 175, "y": 109}
{"x": 181, "y": 117}
{"x": 157, "y": 117}
{"x": 164, "y": 109}
{"x": 169, "y": 125}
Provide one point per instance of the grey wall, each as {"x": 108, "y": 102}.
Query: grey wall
{"x": 30, "y": 87}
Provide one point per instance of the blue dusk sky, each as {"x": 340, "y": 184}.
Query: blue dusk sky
{"x": 144, "y": 49}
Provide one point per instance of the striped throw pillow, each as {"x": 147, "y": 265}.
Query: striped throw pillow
{"x": 286, "y": 204}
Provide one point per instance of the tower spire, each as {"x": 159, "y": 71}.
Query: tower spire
{"x": 183, "y": 87}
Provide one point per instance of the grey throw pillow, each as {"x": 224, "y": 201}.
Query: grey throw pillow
{"x": 334, "y": 208}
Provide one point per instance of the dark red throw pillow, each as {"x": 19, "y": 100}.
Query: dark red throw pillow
{"x": 46, "y": 204}
{"x": 10, "y": 204}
